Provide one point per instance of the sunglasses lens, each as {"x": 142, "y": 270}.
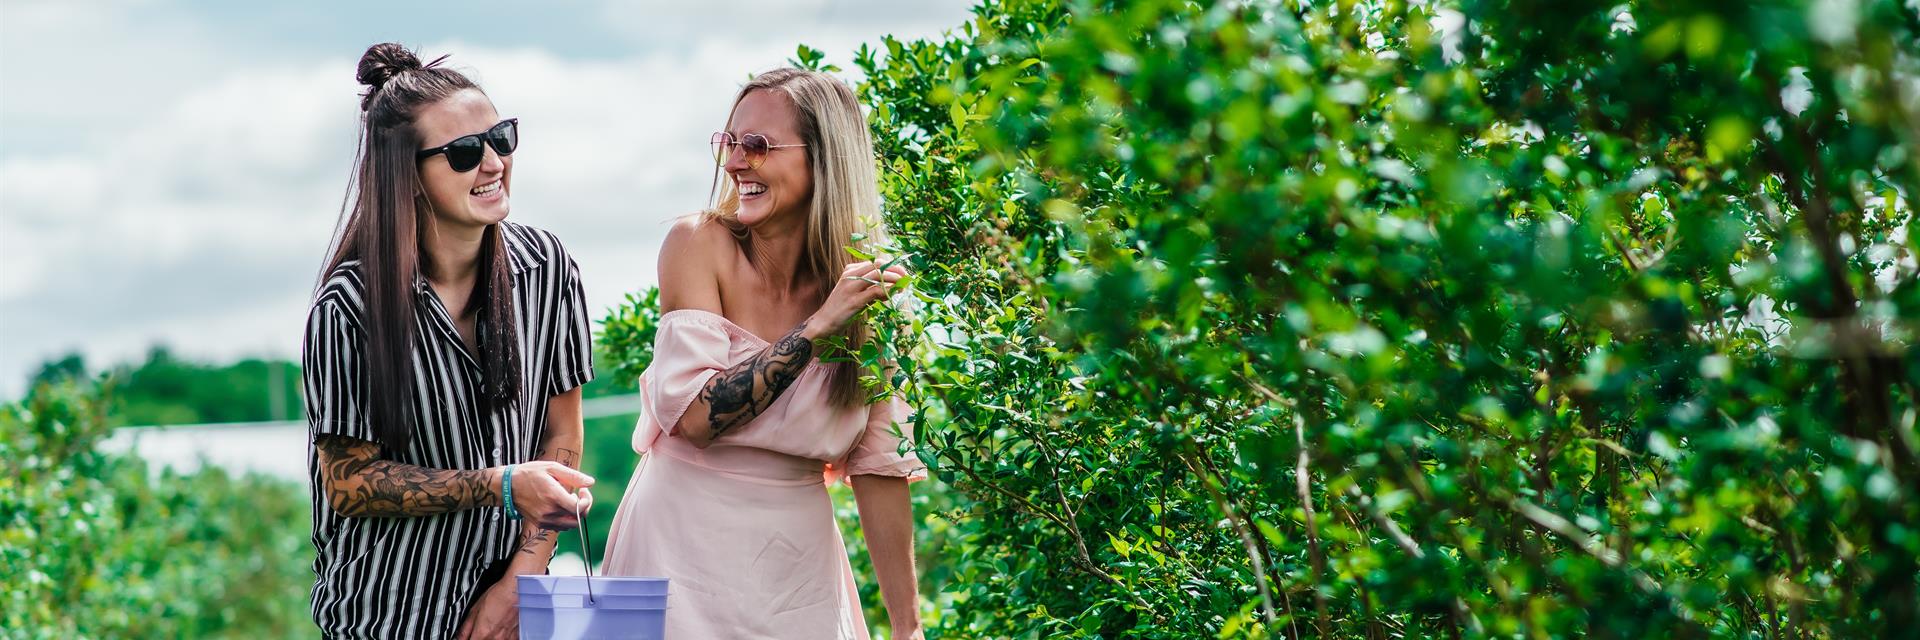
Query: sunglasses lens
{"x": 464, "y": 154}
{"x": 721, "y": 143}
{"x": 756, "y": 146}
{"x": 504, "y": 137}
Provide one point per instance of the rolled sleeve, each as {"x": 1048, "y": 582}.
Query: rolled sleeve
{"x": 572, "y": 363}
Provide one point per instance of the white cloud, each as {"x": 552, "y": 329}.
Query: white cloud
{"x": 78, "y": 72}
{"x": 834, "y": 26}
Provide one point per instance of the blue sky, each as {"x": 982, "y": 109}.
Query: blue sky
{"x": 170, "y": 171}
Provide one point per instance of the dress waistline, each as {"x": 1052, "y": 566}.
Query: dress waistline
{"x": 751, "y": 464}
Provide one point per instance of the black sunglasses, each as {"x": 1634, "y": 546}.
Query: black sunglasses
{"x": 465, "y": 152}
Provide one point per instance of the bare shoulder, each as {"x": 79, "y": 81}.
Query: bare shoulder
{"x": 690, "y": 262}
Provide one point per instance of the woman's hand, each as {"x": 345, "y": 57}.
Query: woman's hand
{"x": 860, "y": 285}
{"x": 495, "y": 615}
{"x": 547, "y": 494}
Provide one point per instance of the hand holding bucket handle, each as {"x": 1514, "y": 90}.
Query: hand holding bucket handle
{"x": 550, "y": 494}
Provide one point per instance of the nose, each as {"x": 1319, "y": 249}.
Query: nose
{"x": 736, "y": 159}
{"x": 491, "y": 162}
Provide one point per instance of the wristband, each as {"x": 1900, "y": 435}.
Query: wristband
{"x": 506, "y": 494}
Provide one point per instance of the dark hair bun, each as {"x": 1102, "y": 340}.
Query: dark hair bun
{"x": 384, "y": 61}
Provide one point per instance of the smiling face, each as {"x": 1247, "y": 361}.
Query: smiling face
{"x": 475, "y": 198}
{"x": 781, "y": 188}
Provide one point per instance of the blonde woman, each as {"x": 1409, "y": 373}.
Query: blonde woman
{"x": 744, "y": 426}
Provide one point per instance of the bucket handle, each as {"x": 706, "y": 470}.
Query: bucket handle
{"x": 584, "y": 558}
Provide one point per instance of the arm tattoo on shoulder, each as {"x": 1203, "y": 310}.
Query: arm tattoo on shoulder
{"x": 361, "y": 485}
{"x": 738, "y": 395}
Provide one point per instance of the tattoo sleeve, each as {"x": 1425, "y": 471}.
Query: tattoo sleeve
{"x": 737, "y": 395}
{"x": 359, "y": 484}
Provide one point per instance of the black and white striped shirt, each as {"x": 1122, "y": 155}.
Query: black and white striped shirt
{"x": 414, "y": 577}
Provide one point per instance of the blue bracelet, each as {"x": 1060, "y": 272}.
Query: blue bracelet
{"x": 506, "y": 494}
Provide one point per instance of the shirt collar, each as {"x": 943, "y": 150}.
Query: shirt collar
{"x": 521, "y": 256}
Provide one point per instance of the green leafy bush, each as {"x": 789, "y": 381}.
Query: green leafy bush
{"x": 96, "y": 545}
{"x": 1379, "y": 318}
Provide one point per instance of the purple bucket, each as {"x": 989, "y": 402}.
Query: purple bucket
{"x": 589, "y": 608}
{"x": 562, "y": 608}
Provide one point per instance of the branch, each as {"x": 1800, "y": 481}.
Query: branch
{"x": 1639, "y": 268}
{"x": 1214, "y": 486}
{"x": 1407, "y": 543}
{"x": 1072, "y": 521}
{"x": 1313, "y": 537}
{"x": 1081, "y": 558}
{"x": 1582, "y": 539}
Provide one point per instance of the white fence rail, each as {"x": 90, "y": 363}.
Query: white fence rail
{"x": 276, "y": 448}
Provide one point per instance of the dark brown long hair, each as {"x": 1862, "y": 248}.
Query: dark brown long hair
{"x": 387, "y": 221}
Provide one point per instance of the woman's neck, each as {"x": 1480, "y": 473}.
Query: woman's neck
{"x": 455, "y": 254}
{"x": 778, "y": 248}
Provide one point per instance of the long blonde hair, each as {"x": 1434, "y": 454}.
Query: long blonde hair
{"x": 846, "y": 195}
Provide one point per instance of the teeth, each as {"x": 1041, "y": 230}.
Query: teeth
{"x": 487, "y": 188}
{"x": 752, "y": 188}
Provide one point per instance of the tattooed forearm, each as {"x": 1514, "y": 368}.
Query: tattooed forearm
{"x": 565, "y": 456}
{"x": 738, "y": 395}
{"x": 358, "y": 484}
{"x": 537, "y": 544}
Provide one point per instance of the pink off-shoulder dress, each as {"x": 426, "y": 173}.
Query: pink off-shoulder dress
{"x": 744, "y": 529}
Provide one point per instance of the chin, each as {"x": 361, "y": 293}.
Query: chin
{"x": 751, "y": 215}
{"x": 490, "y": 215}
{"x": 497, "y": 216}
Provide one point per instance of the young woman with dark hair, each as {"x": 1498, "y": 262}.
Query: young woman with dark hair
{"x": 443, "y": 357}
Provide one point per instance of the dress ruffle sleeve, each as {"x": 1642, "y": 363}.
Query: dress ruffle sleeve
{"x": 688, "y": 350}
{"x": 885, "y": 448}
